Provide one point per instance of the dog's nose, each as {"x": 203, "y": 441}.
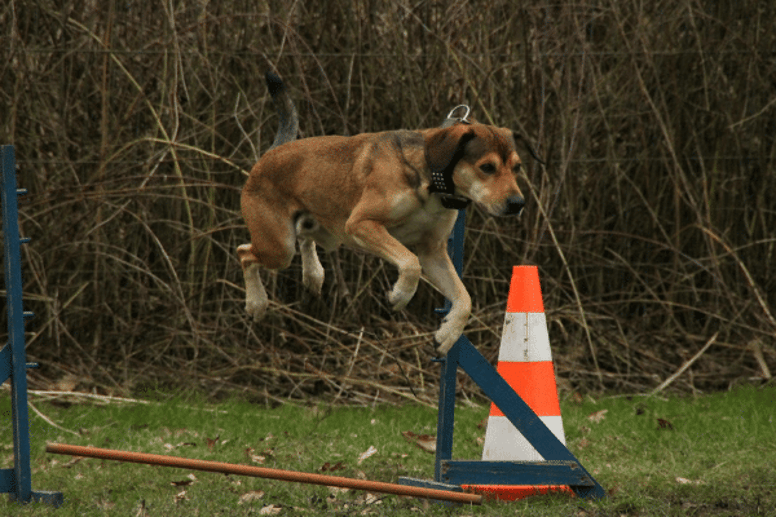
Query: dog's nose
{"x": 514, "y": 206}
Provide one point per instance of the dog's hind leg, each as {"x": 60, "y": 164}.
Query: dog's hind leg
{"x": 312, "y": 270}
{"x": 307, "y": 231}
{"x": 272, "y": 247}
{"x": 256, "y": 300}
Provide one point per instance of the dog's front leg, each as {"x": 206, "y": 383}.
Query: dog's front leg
{"x": 441, "y": 273}
{"x": 373, "y": 237}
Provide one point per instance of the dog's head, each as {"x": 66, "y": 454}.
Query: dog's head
{"x": 480, "y": 162}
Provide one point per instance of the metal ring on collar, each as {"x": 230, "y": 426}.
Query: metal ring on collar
{"x": 465, "y": 118}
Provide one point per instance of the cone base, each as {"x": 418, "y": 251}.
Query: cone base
{"x": 515, "y": 492}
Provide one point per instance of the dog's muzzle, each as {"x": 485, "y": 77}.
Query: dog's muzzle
{"x": 514, "y": 205}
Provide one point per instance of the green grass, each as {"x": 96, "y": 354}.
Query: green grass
{"x": 724, "y": 446}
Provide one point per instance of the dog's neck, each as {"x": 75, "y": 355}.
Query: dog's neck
{"x": 442, "y": 180}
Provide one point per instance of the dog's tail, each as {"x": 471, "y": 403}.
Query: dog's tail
{"x": 289, "y": 119}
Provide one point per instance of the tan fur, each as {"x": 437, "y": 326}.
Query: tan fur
{"x": 371, "y": 192}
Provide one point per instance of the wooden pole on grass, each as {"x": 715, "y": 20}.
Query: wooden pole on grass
{"x": 262, "y": 472}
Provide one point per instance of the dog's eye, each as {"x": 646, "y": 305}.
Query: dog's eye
{"x": 488, "y": 168}
{"x": 517, "y": 168}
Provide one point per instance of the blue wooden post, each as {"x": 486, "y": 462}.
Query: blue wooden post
{"x": 447, "y": 383}
{"x": 16, "y": 481}
{"x": 446, "y": 412}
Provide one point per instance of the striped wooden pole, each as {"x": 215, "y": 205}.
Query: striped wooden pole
{"x": 262, "y": 472}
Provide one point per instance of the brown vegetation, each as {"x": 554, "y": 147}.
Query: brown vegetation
{"x": 652, "y": 224}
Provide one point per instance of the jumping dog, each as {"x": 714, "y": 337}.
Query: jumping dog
{"x": 377, "y": 192}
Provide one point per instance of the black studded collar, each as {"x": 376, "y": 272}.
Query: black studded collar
{"x": 442, "y": 179}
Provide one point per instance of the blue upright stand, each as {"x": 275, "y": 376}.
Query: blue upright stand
{"x": 560, "y": 466}
{"x": 17, "y": 481}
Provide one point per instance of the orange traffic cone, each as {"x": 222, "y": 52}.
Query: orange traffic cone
{"x": 525, "y": 362}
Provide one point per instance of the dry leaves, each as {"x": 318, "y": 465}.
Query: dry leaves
{"x": 73, "y": 461}
{"x": 249, "y": 497}
{"x": 685, "y": 481}
{"x": 426, "y": 442}
{"x": 328, "y": 467}
{"x": 367, "y": 453}
{"x": 271, "y": 509}
{"x": 171, "y": 447}
{"x": 180, "y": 497}
{"x": 258, "y": 458}
{"x": 142, "y": 511}
{"x": 211, "y": 442}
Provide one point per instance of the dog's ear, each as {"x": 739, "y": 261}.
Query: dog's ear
{"x": 521, "y": 142}
{"x": 444, "y": 148}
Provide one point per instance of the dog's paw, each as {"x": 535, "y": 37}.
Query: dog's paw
{"x": 397, "y": 303}
{"x": 256, "y": 309}
{"x": 399, "y": 298}
{"x": 446, "y": 337}
{"x": 314, "y": 283}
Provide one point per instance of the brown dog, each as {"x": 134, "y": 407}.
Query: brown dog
{"x": 378, "y": 192}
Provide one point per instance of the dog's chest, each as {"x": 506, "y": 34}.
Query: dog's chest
{"x": 428, "y": 222}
